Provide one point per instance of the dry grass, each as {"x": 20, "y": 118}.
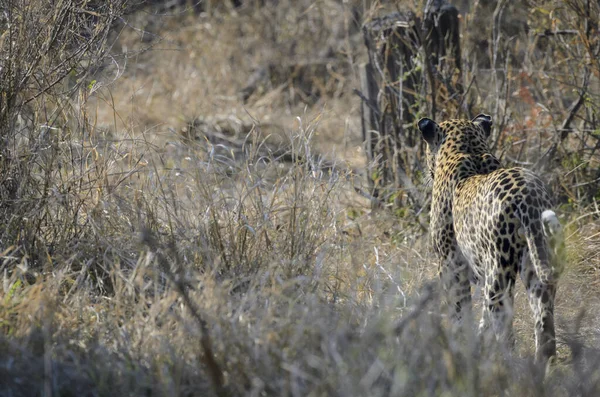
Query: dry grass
{"x": 171, "y": 235}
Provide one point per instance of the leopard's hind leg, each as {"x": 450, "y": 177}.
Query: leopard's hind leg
{"x": 540, "y": 272}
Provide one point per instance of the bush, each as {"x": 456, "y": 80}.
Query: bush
{"x": 54, "y": 166}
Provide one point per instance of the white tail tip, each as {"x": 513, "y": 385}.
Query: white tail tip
{"x": 550, "y": 221}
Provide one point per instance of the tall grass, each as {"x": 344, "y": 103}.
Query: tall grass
{"x": 244, "y": 278}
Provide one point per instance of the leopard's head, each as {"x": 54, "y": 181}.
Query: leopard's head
{"x": 453, "y": 136}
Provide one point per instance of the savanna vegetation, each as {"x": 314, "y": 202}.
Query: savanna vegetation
{"x": 182, "y": 207}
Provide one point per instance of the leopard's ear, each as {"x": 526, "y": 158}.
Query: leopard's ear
{"x": 428, "y": 129}
{"x": 485, "y": 122}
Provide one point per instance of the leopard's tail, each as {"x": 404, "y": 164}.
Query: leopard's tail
{"x": 545, "y": 241}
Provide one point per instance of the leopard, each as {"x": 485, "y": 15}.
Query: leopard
{"x": 488, "y": 225}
